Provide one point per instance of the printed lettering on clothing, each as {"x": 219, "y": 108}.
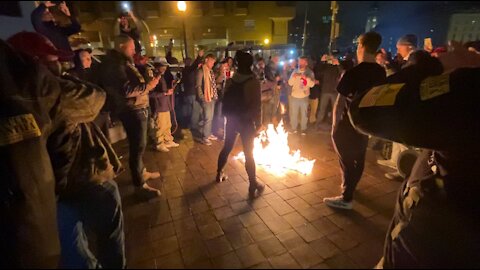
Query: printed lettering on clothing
{"x": 434, "y": 86}
{"x": 137, "y": 73}
{"x": 18, "y": 128}
{"x": 382, "y": 95}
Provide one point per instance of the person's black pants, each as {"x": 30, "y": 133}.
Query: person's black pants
{"x": 351, "y": 148}
{"x": 135, "y": 123}
{"x": 247, "y": 134}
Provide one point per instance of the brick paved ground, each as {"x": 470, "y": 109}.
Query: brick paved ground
{"x": 200, "y": 224}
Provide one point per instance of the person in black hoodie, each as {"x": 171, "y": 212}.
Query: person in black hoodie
{"x": 243, "y": 109}
{"x": 83, "y": 62}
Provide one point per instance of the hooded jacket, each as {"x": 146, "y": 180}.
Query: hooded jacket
{"x": 252, "y": 96}
{"x": 32, "y": 102}
{"x": 301, "y": 88}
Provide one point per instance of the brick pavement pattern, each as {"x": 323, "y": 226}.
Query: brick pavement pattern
{"x": 198, "y": 223}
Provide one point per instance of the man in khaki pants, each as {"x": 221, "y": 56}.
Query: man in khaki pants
{"x": 161, "y": 105}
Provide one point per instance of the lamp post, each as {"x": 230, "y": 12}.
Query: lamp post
{"x": 334, "y": 8}
{"x": 182, "y": 7}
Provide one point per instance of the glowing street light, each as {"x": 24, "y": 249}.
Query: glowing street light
{"x": 182, "y": 6}
{"x": 266, "y": 41}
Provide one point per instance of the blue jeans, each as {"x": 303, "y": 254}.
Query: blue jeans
{"x": 136, "y": 124}
{"x": 187, "y": 110}
{"x": 219, "y": 118}
{"x": 96, "y": 208}
{"x": 195, "y": 120}
{"x": 207, "y": 119}
{"x": 325, "y": 99}
{"x": 298, "y": 105}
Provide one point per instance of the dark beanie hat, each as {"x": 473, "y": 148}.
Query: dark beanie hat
{"x": 409, "y": 40}
{"x": 244, "y": 60}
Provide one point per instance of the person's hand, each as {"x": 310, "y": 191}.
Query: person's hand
{"x": 458, "y": 57}
{"x": 317, "y": 82}
{"x": 49, "y": 4}
{"x": 63, "y": 7}
{"x": 130, "y": 14}
{"x": 201, "y": 53}
{"x": 169, "y": 92}
{"x": 153, "y": 83}
{"x": 277, "y": 78}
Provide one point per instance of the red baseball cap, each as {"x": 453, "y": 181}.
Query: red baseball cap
{"x": 37, "y": 45}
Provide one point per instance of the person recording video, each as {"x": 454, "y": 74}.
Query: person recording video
{"x": 46, "y": 24}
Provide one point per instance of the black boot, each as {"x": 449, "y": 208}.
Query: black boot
{"x": 255, "y": 186}
{"x": 221, "y": 176}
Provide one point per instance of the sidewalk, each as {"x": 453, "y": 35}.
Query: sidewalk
{"x": 198, "y": 223}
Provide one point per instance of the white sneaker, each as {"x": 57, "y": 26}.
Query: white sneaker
{"x": 338, "y": 202}
{"x": 148, "y": 192}
{"x": 172, "y": 144}
{"x": 207, "y": 142}
{"x": 150, "y": 175}
{"x": 162, "y": 148}
{"x": 213, "y": 138}
{"x": 387, "y": 163}
{"x": 393, "y": 176}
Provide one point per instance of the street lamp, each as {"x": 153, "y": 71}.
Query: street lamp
{"x": 266, "y": 41}
{"x": 182, "y": 7}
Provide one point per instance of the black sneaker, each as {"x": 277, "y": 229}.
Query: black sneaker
{"x": 221, "y": 177}
{"x": 259, "y": 187}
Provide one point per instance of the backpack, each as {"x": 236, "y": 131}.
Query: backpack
{"x": 233, "y": 99}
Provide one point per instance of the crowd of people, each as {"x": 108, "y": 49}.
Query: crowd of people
{"x": 59, "y": 167}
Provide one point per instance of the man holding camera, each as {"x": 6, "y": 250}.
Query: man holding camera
{"x": 125, "y": 27}
{"x": 127, "y": 96}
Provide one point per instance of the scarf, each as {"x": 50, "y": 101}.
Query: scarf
{"x": 209, "y": 85}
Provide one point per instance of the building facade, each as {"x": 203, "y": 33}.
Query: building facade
{"x": 464, "y": 27}
{"x": 209, "y": 24}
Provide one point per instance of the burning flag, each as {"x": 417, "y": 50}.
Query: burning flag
{"x": 272, "y": 152}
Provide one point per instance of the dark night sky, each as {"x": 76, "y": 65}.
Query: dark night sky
{"x": 395, "y": 18}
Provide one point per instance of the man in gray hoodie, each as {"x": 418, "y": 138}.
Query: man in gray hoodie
{"x": 243, "y": 109}
{"x": 301, "y": 80}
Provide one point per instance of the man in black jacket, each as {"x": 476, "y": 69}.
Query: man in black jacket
{"x": 188, "y": 81}
{"x": 246, "y": 120}
{"x": 127, "y": 96}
